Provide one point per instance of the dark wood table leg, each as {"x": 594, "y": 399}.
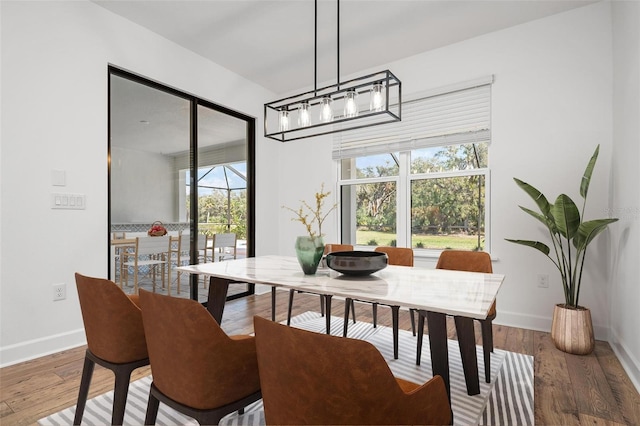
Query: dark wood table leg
{"x": 395, "y": 313}
{"x": 217, "y": 297}
{"x": 327, "y": 310}
{"x": 437, "y": 324}
{"x": 467, "y": 343}
{"x": 273, "y": 303}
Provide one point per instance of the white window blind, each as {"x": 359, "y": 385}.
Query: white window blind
{"x": 450, "y": 115}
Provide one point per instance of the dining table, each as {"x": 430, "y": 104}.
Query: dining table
{"x": 436, "y": 292}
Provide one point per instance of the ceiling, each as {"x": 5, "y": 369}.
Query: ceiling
{"x": 147, "y": 119}
{"x": 271, "y": 42}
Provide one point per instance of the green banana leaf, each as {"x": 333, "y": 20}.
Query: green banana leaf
{"x": 534, "y": 244}
{"x": 589, "y": 230}
{"x": 566, "y": 215}
{"x": 538, "y": 197}
{"x": 545, "y": 221}
{"x": 586, "y": 176}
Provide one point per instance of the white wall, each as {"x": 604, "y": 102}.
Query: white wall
{"x": 625, "y": 191}
{"x": 553, "y": 101}
{"x": 133, "y": 170}
{"x": 551, "y": 104}
{"x": 54, "y": 116}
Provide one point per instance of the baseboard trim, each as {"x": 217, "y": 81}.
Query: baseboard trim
{"x": 540, "y": 323}
{"x": 36, "y": 348}
{"x": 629, "y": 363}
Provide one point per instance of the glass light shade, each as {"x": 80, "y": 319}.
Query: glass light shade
{"x": 304, "y": 118}
{"x": 350, "y": 104}
{"x": 283, "y": 121}
{"x": 376, "y": 101}
{"x": 326, "y": 110}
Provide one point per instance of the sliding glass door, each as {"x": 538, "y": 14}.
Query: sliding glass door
{"x": 169, "y": 152}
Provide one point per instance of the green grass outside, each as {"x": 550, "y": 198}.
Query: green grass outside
{"x": 437, "y": 242}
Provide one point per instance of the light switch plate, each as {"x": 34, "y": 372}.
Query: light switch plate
{"x": 68, "y": 201}
{"x": 58, "y": 178}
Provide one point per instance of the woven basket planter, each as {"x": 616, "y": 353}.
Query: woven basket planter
{"x": 572, "y": 329}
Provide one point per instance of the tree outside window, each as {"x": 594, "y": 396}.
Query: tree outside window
{"x": 445, "y": 206}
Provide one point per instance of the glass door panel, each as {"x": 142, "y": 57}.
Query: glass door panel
{"x": 149, "y": 133}
{"x": 222, "y": 186}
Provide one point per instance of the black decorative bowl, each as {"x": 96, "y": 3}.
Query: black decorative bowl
{"x": 356, "y": 262}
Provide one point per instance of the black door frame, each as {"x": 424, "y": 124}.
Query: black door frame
{"x": 193, "y": 160}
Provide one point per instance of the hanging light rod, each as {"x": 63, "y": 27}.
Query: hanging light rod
{"x": 365, "y": 101}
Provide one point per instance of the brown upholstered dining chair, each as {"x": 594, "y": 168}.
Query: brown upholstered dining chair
{"x": 470, "y": 261}
{"x": 402, "y": 256}
{"x": 318, "y": 379}
{"x": 115, "y": 339}
{"x": 328, "y": 248}
{"x": 197, "y": 368}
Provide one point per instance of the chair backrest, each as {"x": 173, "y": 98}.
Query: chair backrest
{"x": 179, "y": 246}
{"x": 112, "y": 320}
{"x": 313, "y": 378}
{"x": 461, "y": 260}
{"x": 192, "y": 359}
{"x": 203, "y": 242}
{"x": 402, "y": 256}
{"x": 328, "y": 248}
{"x": 224, "y": 246}
{"x": 469, "y": 261}
{"x": 153, "y": 245}
{"x": 224, "y": 240}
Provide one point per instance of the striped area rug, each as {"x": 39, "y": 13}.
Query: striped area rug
{"x": 507, "y": 400}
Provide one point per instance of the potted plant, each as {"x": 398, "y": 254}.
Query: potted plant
{"x": 310, "y": 248}
{"x": 570, "y": 234}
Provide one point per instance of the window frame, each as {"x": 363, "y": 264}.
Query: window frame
{"x": 403, "y": 183}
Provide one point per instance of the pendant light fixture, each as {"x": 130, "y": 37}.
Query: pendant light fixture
{"x": 360, "y": 102}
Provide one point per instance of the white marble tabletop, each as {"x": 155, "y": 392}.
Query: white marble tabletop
{"x": 468, "y": 294}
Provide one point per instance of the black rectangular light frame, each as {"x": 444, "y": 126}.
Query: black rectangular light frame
{"x": 391, "y": 111}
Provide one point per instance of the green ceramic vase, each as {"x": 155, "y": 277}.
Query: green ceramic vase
{"x": 309, "y": 252}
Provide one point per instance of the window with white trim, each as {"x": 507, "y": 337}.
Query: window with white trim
{"x": 423, "y": 182}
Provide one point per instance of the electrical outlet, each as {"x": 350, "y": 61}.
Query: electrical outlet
{"x": 59, "y": 291}
{"x": 543, "y": 280}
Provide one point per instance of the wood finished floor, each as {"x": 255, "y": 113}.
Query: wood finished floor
{"x": 569, "y": 389}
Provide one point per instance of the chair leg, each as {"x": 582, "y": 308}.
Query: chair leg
{"x": 395, "y": 315}
{"x": 374, "y": 307}
{"x": 412, "y": 314}
{"x": 487, "y": 347}
{"x": 168, "y": 278}
{"x": 273, "y": 303}
{"x": 347, "y": 304}
{"x": 322, "y": 305}
{"x": 420, "y": 332}
{"x": 85, "y": 382}
{"x": 353, "y": 310}
{"x": 291, "y": 294}
{"x": 152, "y": 409}
{"x": 135, "y": 280}
{"x": 120, "y": 391}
